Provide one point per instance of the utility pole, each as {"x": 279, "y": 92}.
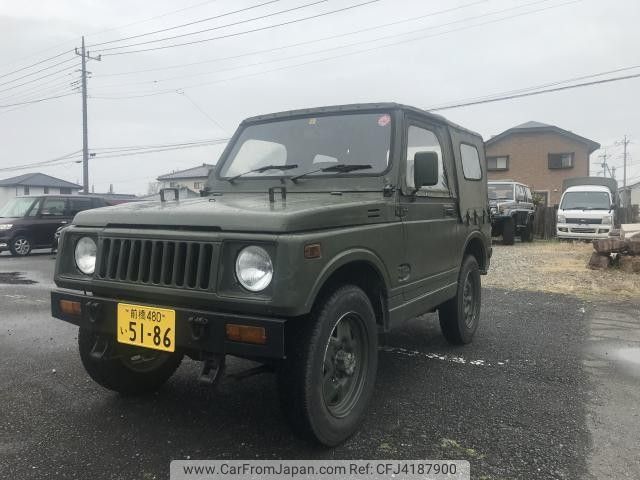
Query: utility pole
{"x": 625, "y": 200}
{"x": 85, "y": 136}
{"x": 603, "y": 164}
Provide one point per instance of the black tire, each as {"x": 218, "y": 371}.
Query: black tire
{"x": 459, "y": 316}
{"x": 508, "y": 231}
{"x": 527, "y": 233}
{"x": 326, "y": 383}
{"x": 20, "y": 246}
{"x": 120, "y": 373}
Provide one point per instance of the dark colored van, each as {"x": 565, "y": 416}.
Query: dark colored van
{"x": 27, "y": 223}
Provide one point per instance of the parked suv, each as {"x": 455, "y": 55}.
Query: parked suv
{"x": 512, "y": 211}
{"x": 318, "y": 230}
{"x": 31, "y": 222}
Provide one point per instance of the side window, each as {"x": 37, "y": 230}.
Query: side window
{"x": 35, "y": 208}
{"x": 470, "y": 162}
{"x": 53, "y": 207}
{"x": 527, "y": 194}
{"x": 78, "y": 204}
{"x": 520, "y": 195}
{"x": 423, "y": 140}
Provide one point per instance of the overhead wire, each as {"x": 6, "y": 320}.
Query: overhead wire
{"x": 306, "y": 42}
{"x": 245, "y": 32}
{"x": 195, "y": 22}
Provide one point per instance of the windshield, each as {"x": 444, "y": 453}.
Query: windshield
{"x": 500, "y": 191}
{"x": 586, "y": 201}
{"x": 16, "y": 207}
{"x": 312, "y": 144}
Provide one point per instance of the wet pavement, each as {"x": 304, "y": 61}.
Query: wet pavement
{"x": 548, "y": 389}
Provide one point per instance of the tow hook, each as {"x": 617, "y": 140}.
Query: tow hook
{"x": 100, "y": 348}
{"x": 212, "y": 369}
{"x": 198, "y": 326}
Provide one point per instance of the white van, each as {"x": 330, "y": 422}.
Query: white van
{"x": 586, "y": 212}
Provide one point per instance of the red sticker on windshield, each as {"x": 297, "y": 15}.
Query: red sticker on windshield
{"x": 384, "y": 120}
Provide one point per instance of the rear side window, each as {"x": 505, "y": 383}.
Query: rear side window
{"x": 53, "y": 207}
{"x": 78, "y": 205}
{"x": 470, "y": 162}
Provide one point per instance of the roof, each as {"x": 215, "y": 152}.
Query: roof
{"x": 38, "y": 180}
{"x": 194, "y": 172}
{"x": 588, "y": 188}
{"x": 539, "y": 127}
{"x": 363, "y": 107}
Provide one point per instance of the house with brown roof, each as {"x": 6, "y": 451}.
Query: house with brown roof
{"x": 539, "y": 155}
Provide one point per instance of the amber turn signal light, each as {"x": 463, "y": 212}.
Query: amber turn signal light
{"x": 312, "y": 250}
{"x": 70, "y": 307}
{"x": 246, "y": 334}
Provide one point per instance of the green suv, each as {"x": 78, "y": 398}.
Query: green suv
{"x": 318, "y": 230}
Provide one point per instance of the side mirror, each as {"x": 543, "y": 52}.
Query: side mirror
{"x": 425, "y": 169}
{"x": 613, "y": 207}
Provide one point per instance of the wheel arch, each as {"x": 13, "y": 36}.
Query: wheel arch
{"x": 359, "y": 267}
{"x": 476, "y": 245}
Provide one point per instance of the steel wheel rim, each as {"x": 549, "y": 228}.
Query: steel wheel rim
{"x": 344, "y": 366}
{"x": 470, "y": 310}
{"x": 21, "y": 245}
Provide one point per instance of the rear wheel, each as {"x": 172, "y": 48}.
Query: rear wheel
{"x": 20, "y": 246}
{"x": 328, "y": 378}
{"x": 129, "y": 370}
{"x": 459, "y": 316}
{"x": 508, "y": 231}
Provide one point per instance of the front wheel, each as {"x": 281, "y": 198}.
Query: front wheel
{"x": 527, "y": 233}
{"x": 20, "y": 246}
{"x": 328, "y": 378}
{"x": 129, "y": 370}
{"x": 508, "y": 231}
{"x": 459, "y": 316}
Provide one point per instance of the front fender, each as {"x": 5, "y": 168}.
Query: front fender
{"x": 342, "y": 259}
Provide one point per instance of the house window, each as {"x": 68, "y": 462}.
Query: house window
{"x": 173, "y": 184}
{"x": 65, "y": 191}
{"x": 197, "y": 185}
{"x": 25, "y": 190}
{"x": 560, "y": 160}
{"x": 46, "y": 190}
{"x": 497, "y": 163}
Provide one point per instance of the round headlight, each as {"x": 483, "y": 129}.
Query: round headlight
{"x": 86, "y": 255}
{"x": 254, "y": 268}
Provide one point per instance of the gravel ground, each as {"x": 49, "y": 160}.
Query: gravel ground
{"x": 558, "y": 267}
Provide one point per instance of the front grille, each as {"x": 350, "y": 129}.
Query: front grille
{"x": 583, "y": 230}
{"x": 585, "y": 221}
{"x": 175, "y": 264}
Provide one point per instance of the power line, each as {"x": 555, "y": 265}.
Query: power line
{"x": 376, "y": 48}
{"x": 268, "y": 27}
{"x": 39, "y": 78}
{"x": 41, "y": 163}
{"x": 298, "y": 44}
{"x": 540, "y": 92}
{"x": 551, "y": 84}
{"x": 36, "y": 72}
{"x": 200, "y": 109}
{"x": 191, "y": 23}
{"x": 36, "y": 64}
{"x": 35, "y": 101}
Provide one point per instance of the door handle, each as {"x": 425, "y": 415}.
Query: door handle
{"x": 449, "y": 211}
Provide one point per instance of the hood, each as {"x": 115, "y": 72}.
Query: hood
{"x": 247, "y": 212}
{"x": 9, "y": 219}
{"x": 573, "y": 213}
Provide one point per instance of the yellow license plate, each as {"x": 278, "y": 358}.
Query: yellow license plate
{"x": 145, "y": 326}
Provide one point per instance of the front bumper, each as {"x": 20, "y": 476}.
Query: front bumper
{"x": 196, "y": 330}
{"x": 584, "y": 232}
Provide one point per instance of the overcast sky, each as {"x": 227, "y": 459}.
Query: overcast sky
{"x": 443, "y": 58}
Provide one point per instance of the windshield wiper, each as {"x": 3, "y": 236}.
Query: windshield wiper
{"x": 263, "y": 169}
{"x": 340, "y": 168}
